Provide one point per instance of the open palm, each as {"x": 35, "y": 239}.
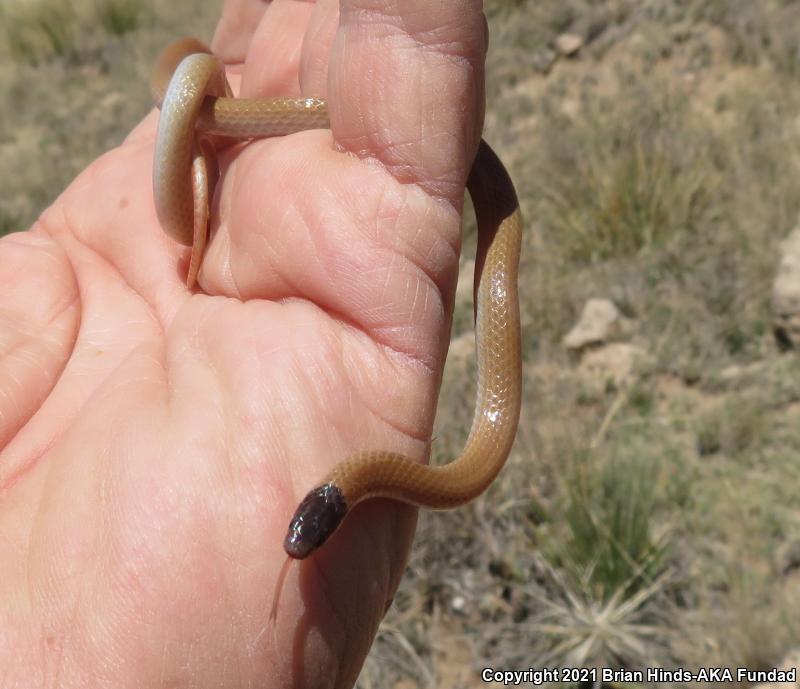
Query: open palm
{"x": 155, "y": 441}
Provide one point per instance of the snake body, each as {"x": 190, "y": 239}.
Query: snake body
{"x": 196, "y": 105}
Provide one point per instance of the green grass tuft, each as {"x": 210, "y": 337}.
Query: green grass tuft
{"x": 632, "y": 172}
{"x": 610, "y": 543}
{"x": 40, "y": 32}
{"x": 120, "y": 17}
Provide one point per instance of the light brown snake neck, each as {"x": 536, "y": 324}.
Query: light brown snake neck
{"x": 196, "y": 104}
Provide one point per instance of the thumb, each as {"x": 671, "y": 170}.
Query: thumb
{"x": 406, "y": 88}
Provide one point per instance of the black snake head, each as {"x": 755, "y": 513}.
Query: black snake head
{"x": 316, "y": 518}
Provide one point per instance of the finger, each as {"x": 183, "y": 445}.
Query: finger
{"x": 406, "y": 88}
{"x": 39, "y": 318}
{"x": 317, "y": 48}
{"x": 273, "y": 58}
{"x": 236, "y": 27}
{"x": 267, "y": 36}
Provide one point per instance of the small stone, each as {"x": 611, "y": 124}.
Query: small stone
{"x": 614, "y": 362}
{"x": 599, "y": 322}
{"x": 786, "y": 294}
{"x": 568, "y": 44}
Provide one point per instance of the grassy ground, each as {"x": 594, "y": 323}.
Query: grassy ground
{"x": 652, "y": 525}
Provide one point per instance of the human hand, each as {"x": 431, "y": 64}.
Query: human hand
{"x": 155, "y": 442}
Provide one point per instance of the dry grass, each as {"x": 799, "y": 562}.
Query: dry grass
{"x": 659, "y": 168}
{"x": 75, "y": 78}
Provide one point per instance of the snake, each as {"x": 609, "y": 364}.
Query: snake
{"x": 196, "y": 108}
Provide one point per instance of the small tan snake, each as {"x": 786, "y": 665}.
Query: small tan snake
{"x": 196, "y": 103}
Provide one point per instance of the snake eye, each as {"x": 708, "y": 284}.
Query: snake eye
{"x": 316, "y": 518}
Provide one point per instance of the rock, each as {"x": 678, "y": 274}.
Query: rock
{"x": 599, "y": 322}
{"x": 614, "y": 362}
{"x": 567, "y": 44}
{"x": 786, "y": 294}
